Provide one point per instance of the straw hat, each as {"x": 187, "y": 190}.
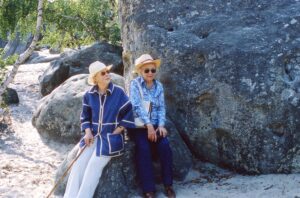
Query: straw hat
{"x": 94, "y": 68}
{"x": 144, "y": 59}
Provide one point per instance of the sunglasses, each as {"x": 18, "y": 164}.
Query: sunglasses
{"x": 105, "y": 72}
{"x": 153, "y": 71}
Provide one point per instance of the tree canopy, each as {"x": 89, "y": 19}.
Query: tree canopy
{"x": 14, "y": 12}
{"x": 66, "y": 22}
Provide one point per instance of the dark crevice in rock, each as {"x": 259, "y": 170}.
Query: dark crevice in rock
{"x": 205, "y": 35}
{"x": 170, "y": 29}
{"x": 292, "y": 71}
{"x": 200, "y": 59}
{"x": 287, "y": 68}
{"x": 277, "y": 129}
{"x": 188, "y": 143}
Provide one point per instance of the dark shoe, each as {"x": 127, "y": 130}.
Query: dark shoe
{"x": 149, "y": 195}
{"x": 170, "y": 192}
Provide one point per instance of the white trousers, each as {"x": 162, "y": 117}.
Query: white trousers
{"x": 85, "y": 174}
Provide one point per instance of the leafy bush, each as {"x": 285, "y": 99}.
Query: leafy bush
{"x": 11, "y": 59}
{"x": 6, "y": 62}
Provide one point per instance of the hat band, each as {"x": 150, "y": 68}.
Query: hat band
{"x": 146, "y": 61}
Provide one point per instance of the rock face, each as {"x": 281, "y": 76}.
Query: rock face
{"x": 17, "y": 45}
{"x": 78, "y": 63}
{"x": 41, "y": 56}
{"x": 231, "y": 73}
{"x": 119, "y": 177}
{"x": 58, "y": 114}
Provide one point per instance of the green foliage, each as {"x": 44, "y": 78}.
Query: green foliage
{"x": 11, "y": 59}
{"x": 96, "y": 19}
{"x": 65, "y": 39}
{"x": 67, "y": 23}
{"x": 13, "y": 13}
{"x": 6, "y": 62}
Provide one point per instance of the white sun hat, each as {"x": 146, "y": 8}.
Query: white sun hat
{"x": 144, "y": 59}
{"x": 94, "y": 68}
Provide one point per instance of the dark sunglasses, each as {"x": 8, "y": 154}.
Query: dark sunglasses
{"x": 153, "y": 71}
{"x": 105, "y": 72}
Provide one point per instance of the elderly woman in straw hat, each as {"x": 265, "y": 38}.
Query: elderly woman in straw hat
{"x": 106, "y": 112}
{"x": 152, "y": 134}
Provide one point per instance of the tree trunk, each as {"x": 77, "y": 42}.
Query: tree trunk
{"x": 11, "y": 75}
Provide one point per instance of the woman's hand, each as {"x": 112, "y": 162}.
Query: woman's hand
{"x": 118, "y": 130}
{"x": 162, "y": 131}
{"x": 151, "y": 133}
{"x": 88, "y": 137}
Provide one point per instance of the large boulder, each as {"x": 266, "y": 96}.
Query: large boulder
{"x": 57, "y": 116}
{"x": 119, "y": 177}
{"x": 231, "y": 72}
{"x": 78, "y": 62}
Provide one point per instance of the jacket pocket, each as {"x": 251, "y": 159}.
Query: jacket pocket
{"x": 115, "y": 142}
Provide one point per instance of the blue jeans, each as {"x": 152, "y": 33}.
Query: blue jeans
{"x": 144, "y": 150}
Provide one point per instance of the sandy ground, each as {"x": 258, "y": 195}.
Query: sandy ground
{"x": 235, "y": 186}
{"x": 28, "y": 165}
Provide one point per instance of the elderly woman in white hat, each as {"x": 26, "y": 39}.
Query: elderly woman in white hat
{"x": 106, "y": 112}
{"x": 147, "y": 98}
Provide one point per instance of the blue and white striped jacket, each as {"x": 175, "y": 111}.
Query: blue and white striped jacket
{"x": 102, "y": 117}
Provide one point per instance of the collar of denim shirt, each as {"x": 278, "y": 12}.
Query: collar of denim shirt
{"x": 143, "y": 82}
{"x": 109, "y": 90}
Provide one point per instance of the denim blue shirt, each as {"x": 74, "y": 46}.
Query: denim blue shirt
{"x": 155, "y": 95}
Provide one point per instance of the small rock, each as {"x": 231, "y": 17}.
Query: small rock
{"x": 10, "y": 96}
